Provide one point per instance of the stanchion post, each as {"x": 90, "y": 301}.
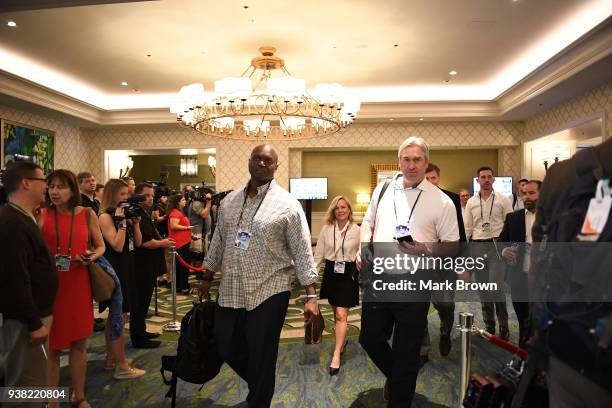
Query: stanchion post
{"x": 174, "y": 325}
{"x": 466, "y": 321}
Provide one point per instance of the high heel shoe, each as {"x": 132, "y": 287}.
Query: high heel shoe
{"x": 333, "y": 371}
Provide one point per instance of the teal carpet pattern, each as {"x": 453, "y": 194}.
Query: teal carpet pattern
{"x": 302, "y": 378}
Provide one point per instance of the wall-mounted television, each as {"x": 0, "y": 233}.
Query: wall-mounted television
{"x": 308, "y": 188}
{"x": 501, "y": 184}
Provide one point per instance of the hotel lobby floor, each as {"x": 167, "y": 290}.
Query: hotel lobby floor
{"x": 302, "y": 378}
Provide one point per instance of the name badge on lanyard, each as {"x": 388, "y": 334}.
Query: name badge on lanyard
{"x": 242, "y": 240}
{"x": 62, "y": 263}
{"x": 131, "y": 244}
{"x": 486, "y": 227}
{"x": 402, "y": 231}
{"x": 339, "y": 266}
{"x": 599, "y": 210}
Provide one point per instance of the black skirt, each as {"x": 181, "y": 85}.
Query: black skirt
{"x": 341, "y": 289}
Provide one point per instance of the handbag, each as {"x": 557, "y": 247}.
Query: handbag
{"x": 102, "y": 284}
{"x": 313, "y": 330}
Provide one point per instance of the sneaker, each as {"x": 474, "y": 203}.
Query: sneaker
{"x": 128, "y": 373}
{"x": 110, "y": 365}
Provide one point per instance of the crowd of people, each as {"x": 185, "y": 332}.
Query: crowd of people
{"x": 61, "y": 223}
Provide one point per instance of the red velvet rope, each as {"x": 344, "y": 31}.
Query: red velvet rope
{"x": 522, "y": 353}
{"x": 186, "y": 265}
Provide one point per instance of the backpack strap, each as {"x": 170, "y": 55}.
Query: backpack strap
{"x": 380, "y": 196}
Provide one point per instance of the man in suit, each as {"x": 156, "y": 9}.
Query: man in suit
{"x": 444, "y": 302}
{"x": 517, "y": 229}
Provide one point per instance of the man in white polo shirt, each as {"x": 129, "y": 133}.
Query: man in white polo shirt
{"x": 484, "y": 219}
{"x": 410, "y": 205}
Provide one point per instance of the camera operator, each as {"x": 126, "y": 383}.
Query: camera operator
{"x": 198, "y": 211}
{"x": 29, "y": 280}
{"x": 121, "y": 236}
{"x": 150, "y": 263}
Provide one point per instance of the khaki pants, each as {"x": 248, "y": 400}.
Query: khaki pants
{"x": 21, "y": 363}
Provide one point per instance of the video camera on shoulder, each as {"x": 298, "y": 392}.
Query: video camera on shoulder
{"x": 161, "y": 187}
{"x": 132, "y": 208}
{"x": 199, "y": 194}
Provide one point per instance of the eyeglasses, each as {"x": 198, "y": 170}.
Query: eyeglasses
{"x": 37, "y": 179}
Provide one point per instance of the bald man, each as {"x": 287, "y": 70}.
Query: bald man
{"x": 261, "y": 240}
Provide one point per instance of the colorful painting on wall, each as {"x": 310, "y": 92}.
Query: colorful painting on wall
{"x": 20, "y": 140}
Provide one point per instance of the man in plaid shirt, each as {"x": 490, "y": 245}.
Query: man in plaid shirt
{"x": 262, "y": 239}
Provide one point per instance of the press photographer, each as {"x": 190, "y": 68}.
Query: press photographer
{"x": 150, "y": 263}
{"x": 199, "y": 201}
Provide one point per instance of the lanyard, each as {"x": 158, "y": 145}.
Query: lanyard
{"x": 343, "y": 238}
{"x": 411, "y": 209}
{"x": 24, "y": 212}
{"x": 491, "y": 211}
{"x": 57, "y": 232}
{"x": 246, "y": 195}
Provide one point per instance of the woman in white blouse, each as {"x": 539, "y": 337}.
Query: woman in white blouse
{"x": 337, "y": 245}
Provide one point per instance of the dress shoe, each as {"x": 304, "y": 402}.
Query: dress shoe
{"x": 445, "y": 344}
{"x": 491, "y": 329}
{"x": 423, "y": 360}
{"x": 149, "y": 335}
{"x": 387, "y": 390}
{"x": 99, "y": 324}
{"x": 147, "y": 344}
{"x": 504, "y": 333}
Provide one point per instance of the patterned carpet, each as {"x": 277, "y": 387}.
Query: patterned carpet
{"x": 302, "y": 379}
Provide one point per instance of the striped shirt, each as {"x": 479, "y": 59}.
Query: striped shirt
{"x": 279, "y": 246}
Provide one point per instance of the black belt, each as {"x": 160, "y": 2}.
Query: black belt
{"x": 484, "y": 240}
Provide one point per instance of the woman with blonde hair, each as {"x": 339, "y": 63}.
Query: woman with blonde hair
{"x": 121, "y": 236}
{"x": 338, "y": 245}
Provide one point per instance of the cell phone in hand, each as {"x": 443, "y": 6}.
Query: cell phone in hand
{"x": 405, "y": 238}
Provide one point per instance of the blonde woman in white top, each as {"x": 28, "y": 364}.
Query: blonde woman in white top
{"x": 337, "y": 245}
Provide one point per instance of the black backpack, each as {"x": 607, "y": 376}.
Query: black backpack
{"x": 577, "y": 332}
{"x": 197, "y": 360}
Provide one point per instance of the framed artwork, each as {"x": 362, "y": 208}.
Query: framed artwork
{"x": 381, "y": 172}
{"x": 35, "y": 143}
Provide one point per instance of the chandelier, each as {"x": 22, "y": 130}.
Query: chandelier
{"x": 265, "y": 107}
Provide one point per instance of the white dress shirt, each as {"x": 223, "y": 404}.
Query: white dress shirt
{"x": 492, "y": 210}
{"x": 434, "y": 216}
{"x": 347, "y": 239}
{"x": 529, "y": 220}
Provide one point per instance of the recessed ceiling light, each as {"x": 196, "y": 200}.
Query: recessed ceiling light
{"x": 391, "y": 119}
{"x": 453, "y": 72}
{"x": 253, "y": 21}
{"x": 245, "y": 7}
{"x": 148, "y": 55}
{"x": 420, "y": 118}
{"x": 396, "y": 45}
{"x": 11, "y": 23}
{"x": 124, "y": 83}
{"x": 446, "y": 81}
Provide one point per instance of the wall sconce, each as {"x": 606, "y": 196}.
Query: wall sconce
{"x": 189, "y": 166}
{"x": 212, "y": 163}
{"x": 363, "y": 199}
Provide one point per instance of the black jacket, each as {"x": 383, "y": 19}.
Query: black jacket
{"x": 457, "y": 202}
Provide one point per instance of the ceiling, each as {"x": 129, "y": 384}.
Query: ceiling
{"x": 398, "y": 51}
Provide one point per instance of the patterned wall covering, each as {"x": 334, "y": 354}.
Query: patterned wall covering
{"x": 70, "y": 149}
{"x": 596, "y": 100}
{"x": 232, "y": 171}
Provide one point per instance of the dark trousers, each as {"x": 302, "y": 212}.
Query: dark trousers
{"x": 446, "y": 311}
{"x": 400, "y": 362}
{"x": 182, "y": 272}
{"x": 248, "y": 342}
{"x": 492, "y": 303}
{"x": 142, "y": 291}
{"x": 522, "y": 314}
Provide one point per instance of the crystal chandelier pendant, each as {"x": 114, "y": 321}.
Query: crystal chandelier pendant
{"x": 272, "y": 105}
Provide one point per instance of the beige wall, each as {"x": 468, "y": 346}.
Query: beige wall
{"x": 348, "y": 172}
{"x": 597, "y": 100}
{"x": 148, "y": 168}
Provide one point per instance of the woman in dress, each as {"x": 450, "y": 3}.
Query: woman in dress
{"x": 179, "y": 229}
{"x": 67, "y": 228}
{"x": 121, "y": 236}
{"x": 338, "y": 245}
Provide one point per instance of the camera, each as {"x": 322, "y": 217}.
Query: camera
{"x": 161, "y": 187}
{"x": 132, "y": 209}
{"x": 199, "y": 194}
